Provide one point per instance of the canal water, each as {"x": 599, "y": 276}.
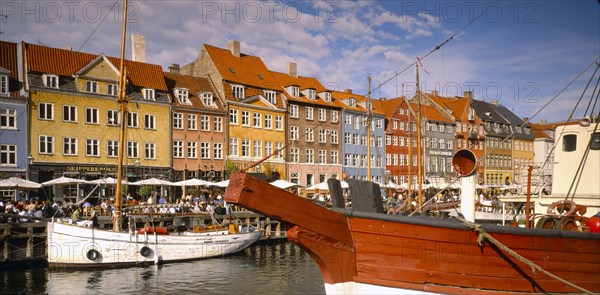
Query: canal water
{"x": 280, "y": 268}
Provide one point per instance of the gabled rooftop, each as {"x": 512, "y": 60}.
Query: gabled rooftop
{"x": 10, "y": 65}
{"x": 195, "y": 86}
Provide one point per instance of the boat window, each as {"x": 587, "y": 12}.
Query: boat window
{"x": 569, "y": 143}
{"x": 595, "y": 142}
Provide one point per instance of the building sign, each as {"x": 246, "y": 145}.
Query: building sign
{"x": 91, "y": 169}
{"x": 440, "y": 153}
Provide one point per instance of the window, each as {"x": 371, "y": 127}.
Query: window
{"x": 471, "y": 114}
{"x": 334, "y": 137}
{"x": 132, "y": 120}
{"x": 334, "y": 116}
{"x": 309, "y": 113}
{"x": 183, "y": 95}
{"x": 379, "y": 123}
{"x": 8, "y": 155}
{"x": 91, "y": 86}
{"x": 310, "y": 135}
{"x": 207, "y": 100}
{"x": 347, "y": 160}
{"x": 245, "y": 148}
{"x": 112, "y": 148}
{"x": 595, "y": 145}
{"x": 4, "y": 84}
{"x": 8, "y": 119}
{"x": 311, "y": 94}
{"x": 50, "y": 81}
{"x": 233, "y": 116}
{"x": 218, "y": 123}
{"x": 177, "y": 120}
{"x": 148, "y": 94}
{"x": 322, "y": 115}
{"x": 334, "y": 159}
{"x": 294, "y": 155}
{"x": 310, "y": 156}
{"x": 257, "y": 120}
{"x": 205, "y": 150}
{"x": 278, "y": 123}
{"x": 233, "y": 146}
{"x": 352, "y": 102}
{"x": 69, "y": 146}
{"x": 111, "y": 89}
{"x": 204, "y": 122}
{"x": 150, "y": 150}
{"x": 112, "y": 117}
{"x": 92, "y": 147}
{"x": 91, "y": 115}
{"x": 69, "y": 113}
{"x": 442, "y": 128}
{"x": 294, "y": 133}
{"x": 569, "y": 143}
{"x": 268, "y": 148}
{"x": 357, "y": 120}
{"x": 327, "y": 97}
{"x": 257, "y": 152}
{"x": 46, "y": 145}
{"x": 238, "y": 91}
{"x": 323, "y": 135}
{"x": 271, "y": 96}
{"x": 322, "y": 157}
{"x": 295, "y": 91}
{"x": 279, "y": 147}
{"x": 192, "y": 122}
{"x": 218, "y": 150}
{"x": 149, "y": 122}
{"x": 293, "y": 111}
{"x": 132, "y": 149}
{"x": 348, "y": 119}
{"x": 246, "y": 118}
{"x": 192, "y": 149}
{"x": 347, "y": 138}
{"x": 268, "y": 121}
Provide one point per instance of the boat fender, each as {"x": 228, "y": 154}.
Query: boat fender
{"x": 145, "y": 251}
{"x": 594, "y": 223}
{"x": 572, "y": 207}
{"x": 93, "y": 255}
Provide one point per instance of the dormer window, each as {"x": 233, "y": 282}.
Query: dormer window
{"x": 111, "y": 89}
{"x": 311, "y": 94}
{"x": 471, "y": 114}
{"x": 148, "y": 94}
{"x": 352, "y": 102}
{"x": 207, "y": 99}
{"x": 295, "y": 91}
{"x": 91, "y": 86}
{"x": 271, "y": 96}
{"x": 50, "y": 81}
{"x": 327, "y": 96}
{"x": 183, "y": 95}
{"x": 3, "y": 85}
{"x": 238, "y": 91}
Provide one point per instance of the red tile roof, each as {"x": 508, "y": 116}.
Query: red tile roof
{"x": 8, "y": 61}
{"x": 247, "y": 69}
{"x": 431, "y": 113}
{"x": 286, "y": 80}
{"x": 389, "y": 106}
{"x": 64, "y": 62}
{"x": 194, "y": 85}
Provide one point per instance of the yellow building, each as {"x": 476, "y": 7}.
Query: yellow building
{"x": 74, "y": 116}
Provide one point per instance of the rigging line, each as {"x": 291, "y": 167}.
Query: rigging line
{"x": 98, "y": 26}
{"x": 592, "y": 97}
{"x": 439, "y": 45}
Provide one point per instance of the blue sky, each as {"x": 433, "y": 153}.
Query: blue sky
{"x": 519, "y": 52}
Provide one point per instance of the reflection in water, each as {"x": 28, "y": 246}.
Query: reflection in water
{"x": 262, "y": 269}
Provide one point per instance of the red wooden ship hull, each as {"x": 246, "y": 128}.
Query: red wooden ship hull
{"x": 365, "y": 252}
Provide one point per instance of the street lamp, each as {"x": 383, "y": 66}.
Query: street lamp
{"x": 28, "y": 170}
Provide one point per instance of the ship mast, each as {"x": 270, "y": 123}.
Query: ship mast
{"x": 409, "y": 143}
{"x": 122, "y": 100}
{"x": 369, "y": 105}
{"x": 419, "y": 156}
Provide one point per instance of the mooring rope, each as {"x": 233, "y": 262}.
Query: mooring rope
{"x": 534, "y": 267}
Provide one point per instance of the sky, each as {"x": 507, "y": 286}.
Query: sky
{"x": 520, "y": 53}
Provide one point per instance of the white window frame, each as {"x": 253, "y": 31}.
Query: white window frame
{"x": 91, "y": 86}
{"x": 257, "y": 120}
{"x": 133, "y": 149}
{"x": 245, "y": 145}
{"x": 92, "y": 147}
{"x": 92, "y": 115}
{"x": 112, "y": 89}
{"x": 207, "y": 99}
{"x": 150, "y": 151}
{"x": 278, "y": 122}
{"x": 334, "y": 159}
{"x": 257, "y": 148}
{"x": 335, "y": 116}
{"x": 245, "y": 118}
{"x": 204, "y": 150}
{"x": 192, "y": 150}
{"x": 50, "y": 81}
{"x": 334, "y": 137}
{"x": 310, "y": 156}
{"x": 233, "y": 147}
{"x": 218, "y": 150}
{"x": 294, "y": 111}
{"x": 183, "y": 95}
{"x": 149, "y": 122}
{"x": 8, "y": 119}
{"x": 238, "y": 91}
{"x": 204, "y": 123}
{"x": 233, "y": 117}
{"x": 46, "y": 145}
{"x": 132, "y": 120}
{"x": 218, "y": 124}
{"x": 309, "y": 113}
{"x": 4, "y": 85}
{"x": 112, "y": 118}
{"x": 177, "y": 120}
{"x": 192, "y": 122}
{"x": 322, "y": 115}
{"x": 69, "y": 113}
{"x": 70, "y": 146}
{"x": 178, "y": 149}
{"x": 271, "y": 96}
{"x": 112, "y": 148}
{"x": 149, "y": 94}
{"x": 268, "y": 121}
{"x": 8, "y": 155}
{"x": 309, "y": 135}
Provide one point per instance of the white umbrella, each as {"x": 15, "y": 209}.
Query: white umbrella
{"x": 391, "y": 185}
{"x": 284, "y": 184}
{"x": 224, "y": 183}
{"x": 63, "y": 180}
{"x": 152, "y": 181}
{"x": 108, "y": 180}
{"x": 18, "y": 183}
{"x": 325, "y": 186}
{"x": 192, "y": 182}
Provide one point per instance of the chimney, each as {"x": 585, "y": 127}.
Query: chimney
{"x": 434, "y": 93}
{"x": 293, "y": 69}
{"x": 348, "y": 91}
{"x": 468, "y": 94}
{"x": 174, "y": 69}
{"x": 68, "y": 47}
{"x": 138, "y": 48}
{"x": 234, "y": 47}
{"x": 495, "y": 102}
{"x": 526, "y": 120}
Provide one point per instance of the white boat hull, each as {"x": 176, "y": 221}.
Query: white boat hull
{"x": 76, "y": 246}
